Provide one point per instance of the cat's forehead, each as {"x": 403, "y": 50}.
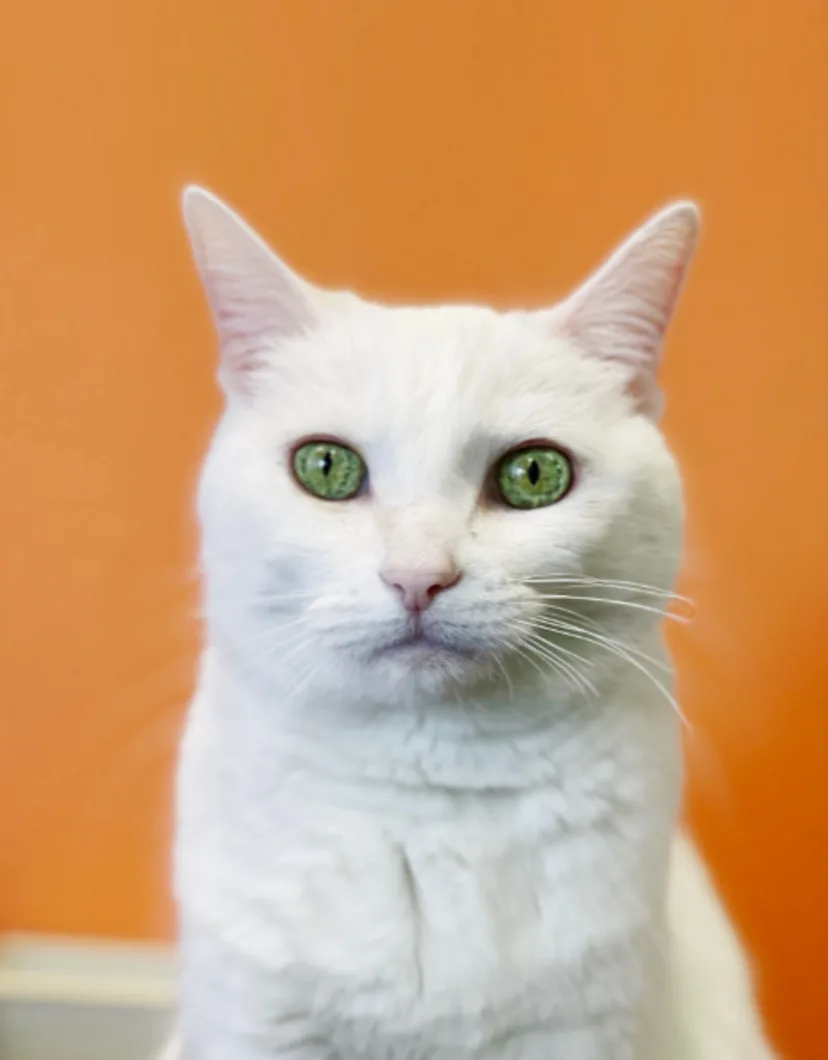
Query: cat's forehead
{"x": 455, "y": 371}
{"x": 421, "y": 343}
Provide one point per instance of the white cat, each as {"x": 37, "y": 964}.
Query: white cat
{"x": 429, "y": 785}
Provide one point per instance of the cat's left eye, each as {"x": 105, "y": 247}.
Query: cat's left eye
{"x": 533, "y": 477}
{"x": 329, "y": 470}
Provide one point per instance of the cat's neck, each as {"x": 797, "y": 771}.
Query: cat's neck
{"x": 497, "y": 739}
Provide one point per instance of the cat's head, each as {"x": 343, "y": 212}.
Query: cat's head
{"x": 405, "y": 499}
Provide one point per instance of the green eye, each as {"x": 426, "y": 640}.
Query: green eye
{"x": 533, "y": 478}
{"x": 329, "y": 470}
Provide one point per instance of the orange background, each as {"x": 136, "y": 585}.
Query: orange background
{"x": 427, "y": 149}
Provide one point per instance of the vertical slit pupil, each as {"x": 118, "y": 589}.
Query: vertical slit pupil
{"x": 533, "y": 472}
{"x": 327, "y": 463}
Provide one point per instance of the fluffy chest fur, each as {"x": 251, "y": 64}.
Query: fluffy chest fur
{"x": 401, "y": 921}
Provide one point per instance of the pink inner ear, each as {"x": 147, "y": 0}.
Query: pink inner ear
{"x": 255, "y": 299}
{"x": 676, "y": 276}
{"x": 256, "y": 302}
{"x": 623, "y": 311}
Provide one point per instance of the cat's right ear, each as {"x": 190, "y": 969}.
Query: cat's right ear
{"x": 255, "y": 299}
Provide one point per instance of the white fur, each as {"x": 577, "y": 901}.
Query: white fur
{"x": 451, "y": 850}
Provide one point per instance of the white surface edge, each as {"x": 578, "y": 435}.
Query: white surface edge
{"x": 87, "y": 972}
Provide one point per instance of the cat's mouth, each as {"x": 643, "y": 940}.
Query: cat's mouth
{"x": 421, "y": 643}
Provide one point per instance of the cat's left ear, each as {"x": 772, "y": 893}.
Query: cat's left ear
{"x": 255, "y": 299}
{"x": 623, "y": 311}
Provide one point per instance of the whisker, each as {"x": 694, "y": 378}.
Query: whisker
{"x": 289, "y": 597}
{"x": 273, "y": 642}
{"x": 602, "y": 638}
{"x": 572, "y": 613}
{"x": 496, "y": 658}
{"x": 619, "y": 651}
{"x": 544, "y": 648}
{"x": 269, "y": 634}
{"x": 557, "y": 647}
{"x": 632, "y": 604}
{"x": 610, "y": 583}
{"x": 529, "y": 658}
{"x": 588, "y": 579}
{"x": 555, "y": 664}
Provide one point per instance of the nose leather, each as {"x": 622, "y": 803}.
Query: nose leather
{"x": 419, "y": 588}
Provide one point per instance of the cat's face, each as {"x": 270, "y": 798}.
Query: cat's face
{"x": 409, "y": 500}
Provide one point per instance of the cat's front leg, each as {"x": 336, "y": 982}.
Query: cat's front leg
{"x": 286, "y": 1036}
{"x": 221, "y": 1048}
{"x": 278, "y": 1042}
{"x": 601, "y": 1041}
{"x": 234, "y": 1008}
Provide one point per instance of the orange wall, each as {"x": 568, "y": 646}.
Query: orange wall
{"x": 426, "y": 149}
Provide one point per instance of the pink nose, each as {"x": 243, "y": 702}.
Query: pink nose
{"x": 419, "y": 588}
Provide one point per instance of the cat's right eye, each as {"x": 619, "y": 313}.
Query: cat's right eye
{"x": 329, "y": 470}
